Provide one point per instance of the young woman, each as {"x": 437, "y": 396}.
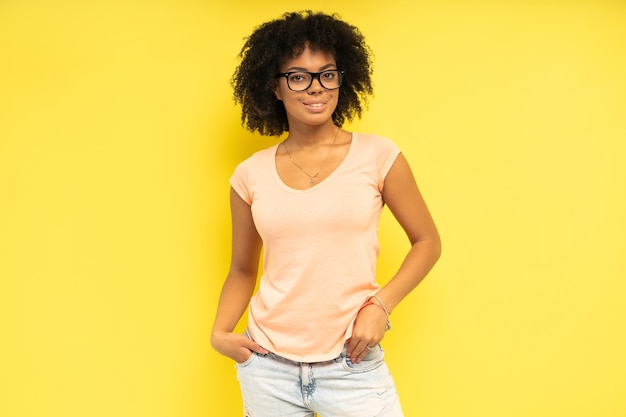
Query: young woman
{"x": 312, "y": 203}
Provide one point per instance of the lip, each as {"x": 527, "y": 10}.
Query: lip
{"x": 315, "y": 106}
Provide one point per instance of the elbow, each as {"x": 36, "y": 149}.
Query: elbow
{"x": 436, "y": 239}
{"x": 430, "y": 244}
{"x": 437, "y": 250}
{"x": 434, "y": 248}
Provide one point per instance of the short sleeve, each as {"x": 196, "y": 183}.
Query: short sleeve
{"x": 239, "y": 182}
{"x": 386, "y": 154}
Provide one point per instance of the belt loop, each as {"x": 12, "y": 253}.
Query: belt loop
{"x": 305, "y": 370}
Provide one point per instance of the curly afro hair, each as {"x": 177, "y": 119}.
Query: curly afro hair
{"x": 274, "y": 42}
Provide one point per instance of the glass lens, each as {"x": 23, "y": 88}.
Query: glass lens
{"x": 330, "y": 79}
{"x": 299, "y": 81}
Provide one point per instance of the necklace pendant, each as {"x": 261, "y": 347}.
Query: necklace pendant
{"x": 311, "y": 182}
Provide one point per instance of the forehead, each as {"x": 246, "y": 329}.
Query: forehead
{"x": 310, "y": 59}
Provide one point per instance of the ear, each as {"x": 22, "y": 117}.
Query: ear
{"x": 277, "y": 91}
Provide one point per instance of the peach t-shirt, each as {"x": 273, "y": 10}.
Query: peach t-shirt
{"x": 319, "y": 248}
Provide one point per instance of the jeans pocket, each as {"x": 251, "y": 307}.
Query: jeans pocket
{"x": 247, "y": 361}
{"x": 374, "y": 359}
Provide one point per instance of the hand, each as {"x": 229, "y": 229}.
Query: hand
{"x": 369, "y": 330}
{"x": 235, "y": 346}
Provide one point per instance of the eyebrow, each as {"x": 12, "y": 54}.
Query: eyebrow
{"x": 323, "y": 68}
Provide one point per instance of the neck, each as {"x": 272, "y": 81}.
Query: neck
{"x": 311, "y": 136}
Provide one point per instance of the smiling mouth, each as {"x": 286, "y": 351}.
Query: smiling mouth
{"x": 315, "y": 105}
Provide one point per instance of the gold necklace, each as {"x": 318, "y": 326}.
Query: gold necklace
{"x": 312, "y": 177}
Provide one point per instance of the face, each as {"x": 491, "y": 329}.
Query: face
{"x": 316, "y": 104}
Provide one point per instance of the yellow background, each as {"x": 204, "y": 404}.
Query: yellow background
{"x": 117, "y": 138}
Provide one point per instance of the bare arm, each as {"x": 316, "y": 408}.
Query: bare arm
{"x": 405, "y": 201}
{"x": 403, "y": 198}
{"x": 239, "y": 284}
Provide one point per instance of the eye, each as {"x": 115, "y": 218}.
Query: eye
{"x": 329, "y": 75}
{"x": 299, "y": 77}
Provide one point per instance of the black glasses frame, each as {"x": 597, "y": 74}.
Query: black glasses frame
{"x": 314, "y": 75}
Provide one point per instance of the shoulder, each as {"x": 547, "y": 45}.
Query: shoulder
{"x": 374, "y": 141}
{"x": 267, "y": 153}
{"x": 251, "y": 171}
{"x": 379, "y": 147}
{"x": 258, "y": 158}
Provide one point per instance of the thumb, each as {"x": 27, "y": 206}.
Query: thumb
{"x": 260, "y": 349}
{"x": 255, "y": 347}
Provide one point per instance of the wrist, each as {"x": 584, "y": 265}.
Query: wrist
{"x": 375, "y": 300}
{"x": 379, "y": 303}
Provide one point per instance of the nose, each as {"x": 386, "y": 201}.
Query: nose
{"x": 316, "y": 84}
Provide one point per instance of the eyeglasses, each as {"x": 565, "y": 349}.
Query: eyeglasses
{"x": 302, "y": 80}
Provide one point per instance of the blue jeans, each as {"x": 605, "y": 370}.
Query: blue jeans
{"x": 273, "y": 386}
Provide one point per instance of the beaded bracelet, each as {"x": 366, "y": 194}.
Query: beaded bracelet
{"x": 385, "y": 310}
{"x": 381, "y": 306}
{"x": 367, "y": 303}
